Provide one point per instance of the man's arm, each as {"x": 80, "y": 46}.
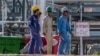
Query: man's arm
{"x": 69, "y": 29}
{"x": 30, "y": 22}
{"x": 44, "y": 26}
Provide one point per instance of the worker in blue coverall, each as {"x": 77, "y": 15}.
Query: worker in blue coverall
{"x": 64, "y": 28}
{"x": 35, "y": 44}
{"x": 25, "y": 49}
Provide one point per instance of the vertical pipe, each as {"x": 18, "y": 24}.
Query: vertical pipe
{"x": 52, "y": 5}
{"x": 25, "y": 11}
{"x": 14, "y": 1}
{"x": 81, "y": 13}
{"x": 5, "y": 11}
{"x": 81, "y": 38}
{"x": 34, "y": 2}
{"x": 3, "y": 17}
{"x": 70, "y": 20}
{"x": 42, "y": 5}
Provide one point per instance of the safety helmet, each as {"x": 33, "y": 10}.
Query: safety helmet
{"x": 64, "y": 9}
{"x": 35, "y": 7}
{"x": 48, "y": 9}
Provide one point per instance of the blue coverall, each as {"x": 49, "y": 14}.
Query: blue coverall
{"x": 35, "y": 42}
{"x": 63, "y": 28}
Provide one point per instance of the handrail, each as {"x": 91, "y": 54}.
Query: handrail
{"x": 13, "y": 22}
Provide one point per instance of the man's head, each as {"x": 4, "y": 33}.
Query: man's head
{"x": 65, "y": 11}
{"x": 35, "y": 9}
{"x": 49, "y": 11}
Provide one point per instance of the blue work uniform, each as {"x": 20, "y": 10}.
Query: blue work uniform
{"x": 63, "y": 28}
{"x": 35, "y": 42}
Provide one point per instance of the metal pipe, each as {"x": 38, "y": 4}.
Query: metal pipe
{"x": 81, "y": 38}
{"x": 13, "y": 22}
{"x": 70, "y": 20}
{"x": 3, "y": 17}
{"x": 42, "y": 5}
{"x": 25, "y": 11}
{"x": 34, "y": 2}
{"x": 52, "y": 5}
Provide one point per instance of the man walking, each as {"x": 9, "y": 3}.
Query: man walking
{"x": 35, "y": 42}
{"x": 64, "y": 28}
{"x": 25, "y": 49}
{"x": 47, "y": 29}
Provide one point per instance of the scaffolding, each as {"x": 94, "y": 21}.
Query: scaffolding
{"x": 14, "y": 14}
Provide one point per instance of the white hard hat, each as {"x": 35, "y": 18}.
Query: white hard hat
{"x": 64, "y": 9}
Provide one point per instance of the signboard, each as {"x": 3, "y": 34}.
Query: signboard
{"x": 82, "y": 29}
